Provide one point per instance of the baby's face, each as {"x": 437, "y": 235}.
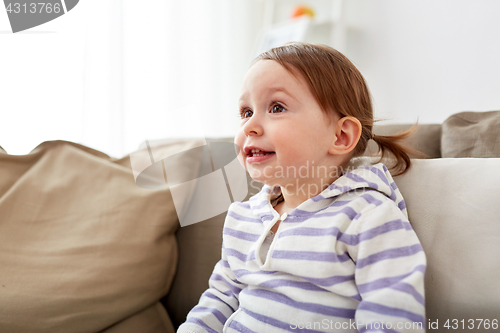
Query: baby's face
{"x": 284, "y": 134}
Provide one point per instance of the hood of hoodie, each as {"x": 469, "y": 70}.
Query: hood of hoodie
{"x": 360, "y": 175}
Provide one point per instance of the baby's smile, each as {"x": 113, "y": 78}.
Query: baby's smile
{"x": 257, "y": 155}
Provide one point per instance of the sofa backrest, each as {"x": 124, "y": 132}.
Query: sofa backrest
{"x": 453, "y": 206}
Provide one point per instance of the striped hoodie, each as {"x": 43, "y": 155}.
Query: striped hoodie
{"x": 346, "y": 260}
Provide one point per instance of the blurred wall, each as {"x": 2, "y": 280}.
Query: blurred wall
{"x": 426, "y": 59}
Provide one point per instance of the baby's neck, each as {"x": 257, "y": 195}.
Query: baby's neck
{"x": 281, "y": 208}
{"x": 293, "y": 197}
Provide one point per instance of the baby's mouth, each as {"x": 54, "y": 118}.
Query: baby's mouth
{"x": 258, "y": 152}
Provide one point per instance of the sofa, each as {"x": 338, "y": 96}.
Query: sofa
{"x": 91, "y": 243}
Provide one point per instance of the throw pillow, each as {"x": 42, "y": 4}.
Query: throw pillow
{"x": 82, "y": 246}
{"x": 471, "y": 134}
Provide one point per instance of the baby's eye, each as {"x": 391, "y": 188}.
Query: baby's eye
{"x": 246, "y": 113}
{"x": 276, "y": 108}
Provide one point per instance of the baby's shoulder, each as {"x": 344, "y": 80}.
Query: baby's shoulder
{"x": 241, "y": 213}
{"x": 363, "y": 199}
{"x": 240, "y": 207}
{"x": 372, "y": 209}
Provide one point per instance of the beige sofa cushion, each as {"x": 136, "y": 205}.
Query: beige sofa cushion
{"x": 82, "y": 247}
{"x": 153, "y": 319}
{"x": 199, "y": 249}
{"x": 471, "y": 134}
{"x": 453, "y": 205}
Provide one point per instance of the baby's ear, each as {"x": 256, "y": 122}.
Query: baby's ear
{"x": 347, "y": 134}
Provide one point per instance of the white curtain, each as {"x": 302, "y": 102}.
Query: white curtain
{"x": 110, "y": 74}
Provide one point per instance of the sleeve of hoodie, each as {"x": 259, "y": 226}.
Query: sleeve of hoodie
{"x": 217, "y": 303}
{"x": 390, "y": 267}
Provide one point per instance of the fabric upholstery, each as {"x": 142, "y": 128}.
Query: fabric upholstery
{"x": 471, "y": 134}
{"x": 199, "y": 249}
{"x": 153, "y": 319}
{"x": 82, "y": 247}
{"x": 453, "y": 207}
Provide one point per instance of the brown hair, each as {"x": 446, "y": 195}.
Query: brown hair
{"x": 339, "y": 87}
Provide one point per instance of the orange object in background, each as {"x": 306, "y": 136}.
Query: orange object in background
{"x": 301, "y": 10}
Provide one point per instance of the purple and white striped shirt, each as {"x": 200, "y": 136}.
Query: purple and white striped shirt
{"x": 346, "y": 260}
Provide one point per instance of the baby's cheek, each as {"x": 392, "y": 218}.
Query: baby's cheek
{"x": 298, "y": 159}
{"x": 241, "y": 159}
{"x": 239, "y": 142}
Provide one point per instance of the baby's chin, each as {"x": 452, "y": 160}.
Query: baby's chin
{"x": 272, "y": 182}
{"x": 260, "y": 178}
